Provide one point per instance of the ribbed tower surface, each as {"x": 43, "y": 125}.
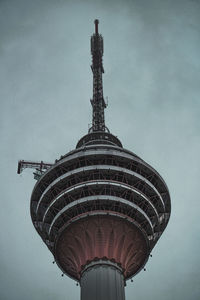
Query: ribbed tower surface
{"x": 100, "y": 208}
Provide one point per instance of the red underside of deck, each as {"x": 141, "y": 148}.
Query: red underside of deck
{"x": 100, "y": 237}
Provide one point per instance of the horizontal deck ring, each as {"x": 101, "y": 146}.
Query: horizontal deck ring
{"x": 99, "y": 167}
{"x": 100, "y": 197}
{"x": 90, "y": 152}
{"x": 101, "y": 182}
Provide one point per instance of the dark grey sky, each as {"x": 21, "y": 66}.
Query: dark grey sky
{"x": 152, "y": 65}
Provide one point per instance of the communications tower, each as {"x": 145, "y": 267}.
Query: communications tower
{"x": 100, "y": 209}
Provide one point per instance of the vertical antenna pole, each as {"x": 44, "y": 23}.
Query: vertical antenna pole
{"x": 96, "y": 22}
{"x": 98, "y": 103}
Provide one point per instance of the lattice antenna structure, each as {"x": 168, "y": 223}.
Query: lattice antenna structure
{"x": 98, "y": 102}
{"x": 100, "y": 209}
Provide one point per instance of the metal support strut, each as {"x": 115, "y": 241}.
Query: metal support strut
{"x": 40, "y": 167}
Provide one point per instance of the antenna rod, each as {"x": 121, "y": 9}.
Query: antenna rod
{"x": 96, "y": 22}
{"x": 98, "y": 103}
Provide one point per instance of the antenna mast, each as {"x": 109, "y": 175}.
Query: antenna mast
{"x": 98, "y": 102}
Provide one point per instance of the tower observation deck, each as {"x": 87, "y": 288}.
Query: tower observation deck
{"x": 100, "y": 209}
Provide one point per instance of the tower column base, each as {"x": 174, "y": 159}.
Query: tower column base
{"x": 102, "y": 280}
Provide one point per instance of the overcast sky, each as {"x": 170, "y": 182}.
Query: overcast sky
{"x": 152, "y": 80}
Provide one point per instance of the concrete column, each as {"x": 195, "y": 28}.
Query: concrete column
{"x": 102, "y": 280}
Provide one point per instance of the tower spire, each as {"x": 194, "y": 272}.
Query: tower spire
{"x": 98, "y": 103}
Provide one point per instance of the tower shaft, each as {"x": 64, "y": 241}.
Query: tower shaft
{"x": 98, "y": 103}
{"x": 102, "y": 280}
